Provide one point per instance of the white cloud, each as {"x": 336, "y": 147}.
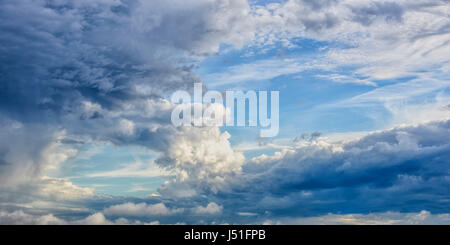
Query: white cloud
{"x": 134, "y": 169}
{"x": 255, "y": 72}
{"x": 407, "y": 103}
{"x": 27, "y": 157}
{"x": 364, "y": 174}
{"x": 388, "y": 218}
{"x": 211, "y": 209}
{"x": 95, "y": 219}
{"x": 61, "y": 189}
{"x": 126, "y": 127}
{"x": 338, "y": 78}
{"x": 21, "y": 218}
{"x": 100, "y": 219}
{"x": 141, "y": 210}
{"x": 200, "y": 157}
{"x": 382, "y": 218}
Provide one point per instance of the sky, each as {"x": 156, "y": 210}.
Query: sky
{"x": 364, "y": 109}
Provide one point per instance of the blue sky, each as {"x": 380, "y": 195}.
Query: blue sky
{"x": 85, "y": 111}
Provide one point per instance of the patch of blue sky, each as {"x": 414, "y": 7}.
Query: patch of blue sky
{"x": 265, "y": 2}
{"x": 93, "y": 158}
{"x": 300, "y": 111}
{"x": 251, "y": 67}
{"x": 121, "y": 186}
{"x": 104, "y": 167}
{"x": 301, "y": 92}
{"x": 307, "y": 95}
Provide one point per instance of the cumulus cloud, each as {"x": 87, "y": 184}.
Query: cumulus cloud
{"x": 388, "y": 218}
{"x": 100, "y": 219}
{"x": 211, "y": 209}
{"x": 401, "y": 170}
{"x": 62, "y": 189}
{"x": 140, "y": 210}
{"x": 96, "y": 71}
{"x": 393, "y": 171}
{"x": 385, "y": 218}
{"x": 201, "y": 158}
{"x": 21, "y": 218}
{"x": 25, "y": 154}
{"x": 25, "y": 158}
{"x": 386, "y": 170}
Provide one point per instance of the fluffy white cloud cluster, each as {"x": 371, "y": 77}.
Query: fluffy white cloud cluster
{"x": 211, "y": 209}
{"x": 100, "y": 70}
{"x": 21, "y": 218}
{"x": 100, "y": 219}
{"x": 384, "y": 170}
{"x": 25, "y": 158}
{"x": 141, "y": 210}
{"x": 376, "y": 39}
{"x": 388, "y": 218}
{"x": 201, "y": 158}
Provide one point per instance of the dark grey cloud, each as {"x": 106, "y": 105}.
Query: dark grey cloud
{"x": 80, "y": 71}
{"x": 85, "y": 66}
{"x": 390, "y": 11}
{"x": 404, "y": 169}
{"x": 55, "y": 55}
